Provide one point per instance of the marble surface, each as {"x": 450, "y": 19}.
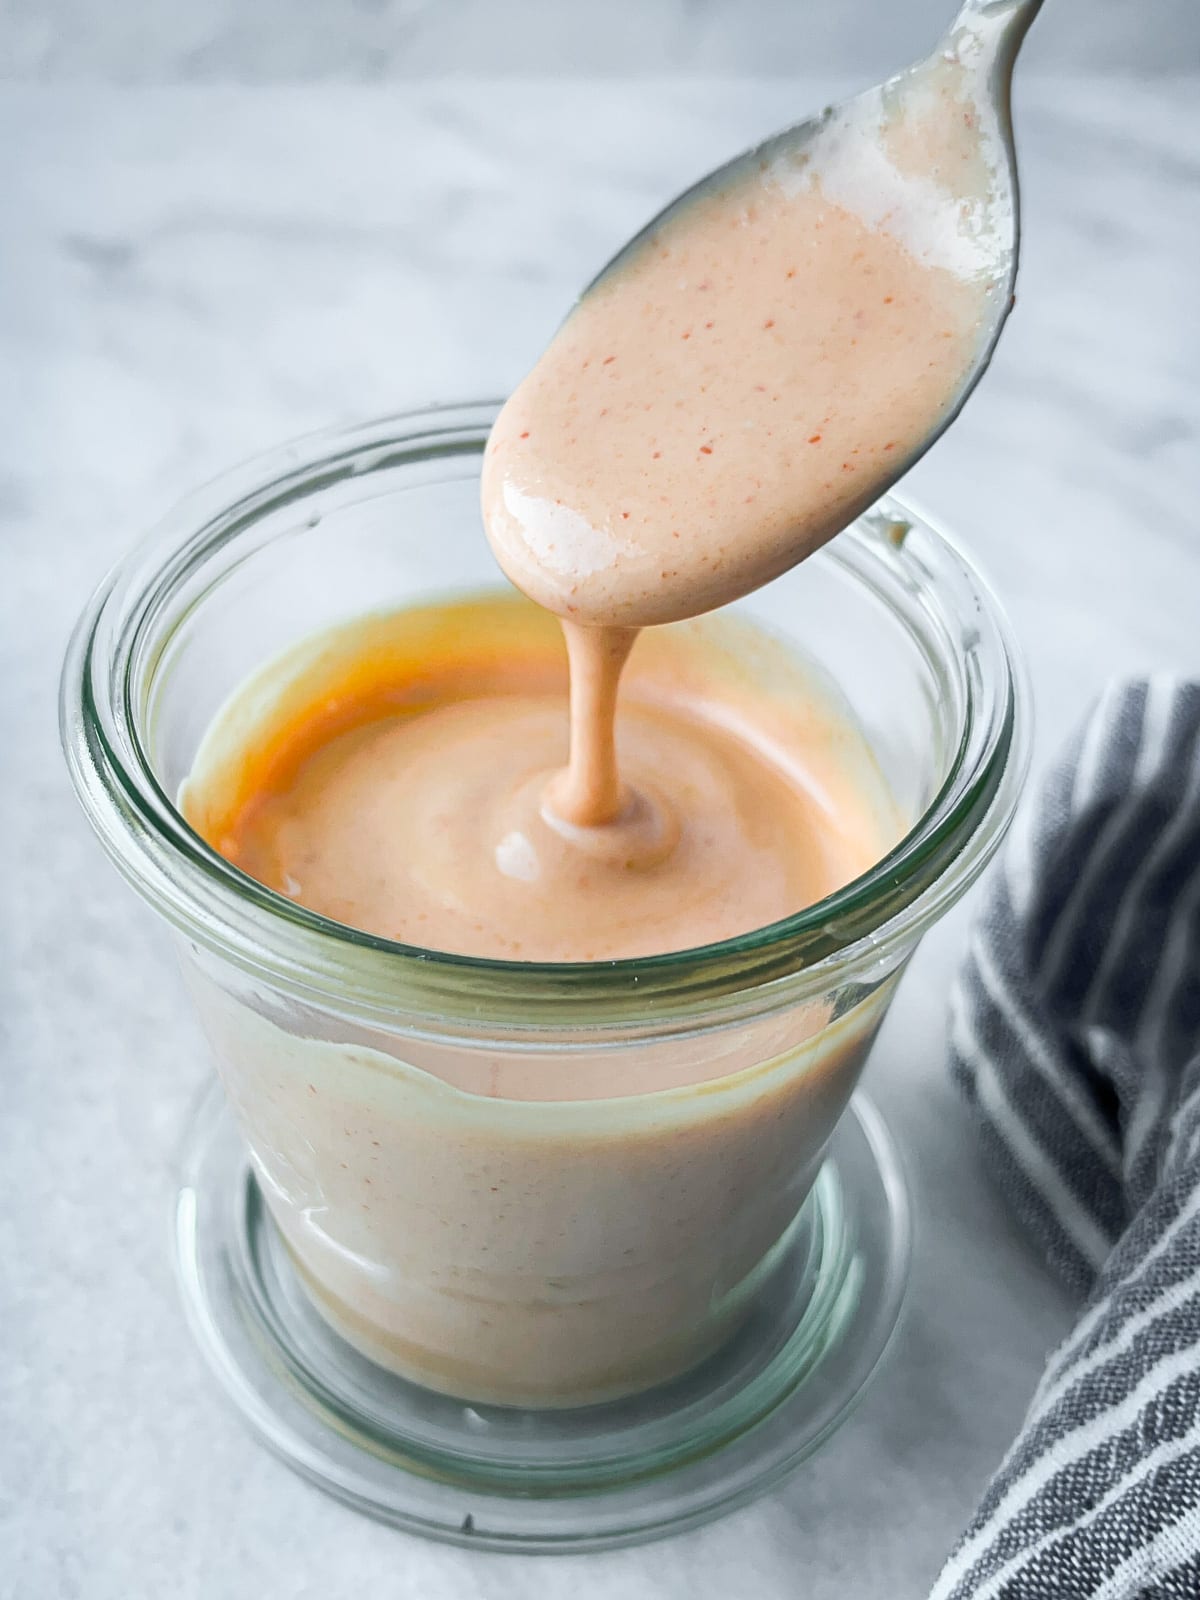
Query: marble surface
{"x": 272, "y": 41}
{"x": 188, "y": 275}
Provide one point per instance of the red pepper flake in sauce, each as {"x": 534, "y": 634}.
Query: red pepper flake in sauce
{"x": 769, "y": 323}
{"x": 888, "y": 299}
{"x": 815, "y": 439}
{"x": 525, "y": 435}
{"x": 608, "y": 360}
{"x": 706, "y": 449}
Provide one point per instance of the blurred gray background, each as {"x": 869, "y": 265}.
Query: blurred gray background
{"x": 272, "y": 41}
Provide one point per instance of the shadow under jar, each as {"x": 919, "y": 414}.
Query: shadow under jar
{"x": 461, "y": 1204}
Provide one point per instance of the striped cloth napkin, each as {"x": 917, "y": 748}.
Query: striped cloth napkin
{"x": 1076, "y": 1039}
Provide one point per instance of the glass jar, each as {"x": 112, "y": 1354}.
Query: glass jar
{"x": 482, "y": 1231}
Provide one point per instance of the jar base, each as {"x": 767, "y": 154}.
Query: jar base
{"x": 502, "y": 1478}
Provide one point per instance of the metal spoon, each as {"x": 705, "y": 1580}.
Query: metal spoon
{"x": 915, "y": 179}
{"x": 977, "y": 53}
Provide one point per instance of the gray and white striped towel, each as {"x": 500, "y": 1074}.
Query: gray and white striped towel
{"x": 1075, "y": 1035}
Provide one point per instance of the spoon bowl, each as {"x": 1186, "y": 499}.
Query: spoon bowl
{"x": 969, "y": 73}
{"x": 772, "y": 352}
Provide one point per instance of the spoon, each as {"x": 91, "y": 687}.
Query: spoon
{"x": 772, "y": 351}
{"x": 980, "y": 50}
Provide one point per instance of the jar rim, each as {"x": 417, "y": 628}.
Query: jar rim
{"x": 867, "y": 924}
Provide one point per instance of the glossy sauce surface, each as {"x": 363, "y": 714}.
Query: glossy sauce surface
{"x": 748, "y": 377}
{"x": 729, "y": 401}
{"x": 393, "y": 776}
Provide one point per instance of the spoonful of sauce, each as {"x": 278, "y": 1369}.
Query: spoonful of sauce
{"x": 758, "y": 366}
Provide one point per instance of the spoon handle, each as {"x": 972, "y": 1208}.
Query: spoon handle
{"x": 1023, "y": 11}
{"x": 1004, "y": 26}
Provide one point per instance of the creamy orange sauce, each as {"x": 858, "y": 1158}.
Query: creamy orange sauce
{"x": 746, "y": 380}
{"x": 723, "y": 405}
{"x": 751, "y": 378}
{"x": 399, "y": 784}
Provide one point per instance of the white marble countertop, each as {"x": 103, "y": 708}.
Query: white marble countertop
{"x": 189, "y": 275}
